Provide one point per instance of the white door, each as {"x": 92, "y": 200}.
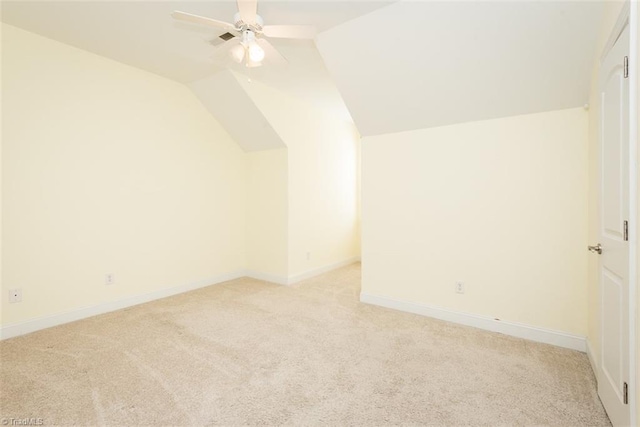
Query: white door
{"x": 614, "y": 209}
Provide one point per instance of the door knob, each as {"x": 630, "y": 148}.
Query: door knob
{"x": 595, "y": 249}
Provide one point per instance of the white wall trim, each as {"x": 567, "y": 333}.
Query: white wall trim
{"x": 317, "y": 271}
{"x": 531, "y": 333}
{"x": 22, "y": 328}
{"x": 634, "y": 134}
{"x": 28, "y": 326}
{"x": 271, "y": 278}
{"x": 618, "y": 28}
{"x": 592, "y": 360}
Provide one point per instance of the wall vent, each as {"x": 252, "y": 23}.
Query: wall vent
{"x": 226, "y": 36}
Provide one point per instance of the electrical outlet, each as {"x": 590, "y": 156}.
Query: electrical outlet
{"x": 109, "y": 279}
{"x": 15, "y": 295}
{"x": 459, "y": 288}
{"x": 308, "y": 256}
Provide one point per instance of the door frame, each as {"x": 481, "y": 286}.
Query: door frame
{"x": 634, "y": 133}
{"x": 628, "y": 16}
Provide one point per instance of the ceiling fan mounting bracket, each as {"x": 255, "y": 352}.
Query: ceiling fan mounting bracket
{"x": 241, "y": 26}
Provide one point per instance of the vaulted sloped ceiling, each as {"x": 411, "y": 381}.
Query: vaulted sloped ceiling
{"x": 397, "y": 65}
{"x": 143, "y": 34}
{"x": 230, "y": 104}
{"x": 416, "y": 65}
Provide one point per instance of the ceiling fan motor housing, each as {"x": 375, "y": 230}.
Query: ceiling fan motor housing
{"x": 242, "y": 26}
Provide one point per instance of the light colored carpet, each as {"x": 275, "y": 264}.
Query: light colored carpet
{"x": 249, "y": 352}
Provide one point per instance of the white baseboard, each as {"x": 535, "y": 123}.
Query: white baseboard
{"x": 22, "y": 328}
{"x": 272, "y": 278}
{"x": 592, "y": 360}
{"x": 283, "y": 280}
{"x": 532, "y": 333}
{"x": 317, "y": 271}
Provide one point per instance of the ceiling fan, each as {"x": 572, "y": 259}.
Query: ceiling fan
{"x": 245, "y": 38}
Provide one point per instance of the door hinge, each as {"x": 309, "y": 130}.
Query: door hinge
{"x": 625, "y": 226}
{"x": 625, "y": 394}
{"x": 626, "y": 67}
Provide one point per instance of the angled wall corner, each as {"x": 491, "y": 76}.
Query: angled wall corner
{"x": 267, "y": 215}
{"x": 230, "y": 104}
{"x": 322, "y": 180}
{"x": 302, "y": 176}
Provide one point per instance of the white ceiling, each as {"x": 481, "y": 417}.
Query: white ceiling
{"x": 143, "y": 34}
{"x": 398, "y": 65}
{"x": 416, "y": 65}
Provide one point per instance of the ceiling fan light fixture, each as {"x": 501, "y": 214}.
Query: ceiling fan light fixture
{"x": 256, "y": 53}
{"x": 237, "y": 53}
{"x": 252, "y": 35}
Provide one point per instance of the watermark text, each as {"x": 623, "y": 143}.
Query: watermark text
{"x": 21, "y": 421}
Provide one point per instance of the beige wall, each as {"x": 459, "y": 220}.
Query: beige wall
{"x": 267, "y": 213}
{"x": 499, "y": 205}
{"x": 323, "y": 185}
{"x": 109, "y": 169}
{"x": 322, "y": 179}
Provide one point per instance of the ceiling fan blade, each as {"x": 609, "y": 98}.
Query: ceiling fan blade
{"x": 289, "y": 31}
{"x": 196, "y": 19}
{"x": 271, "y": 54}
{"x": 248, "y": 10}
